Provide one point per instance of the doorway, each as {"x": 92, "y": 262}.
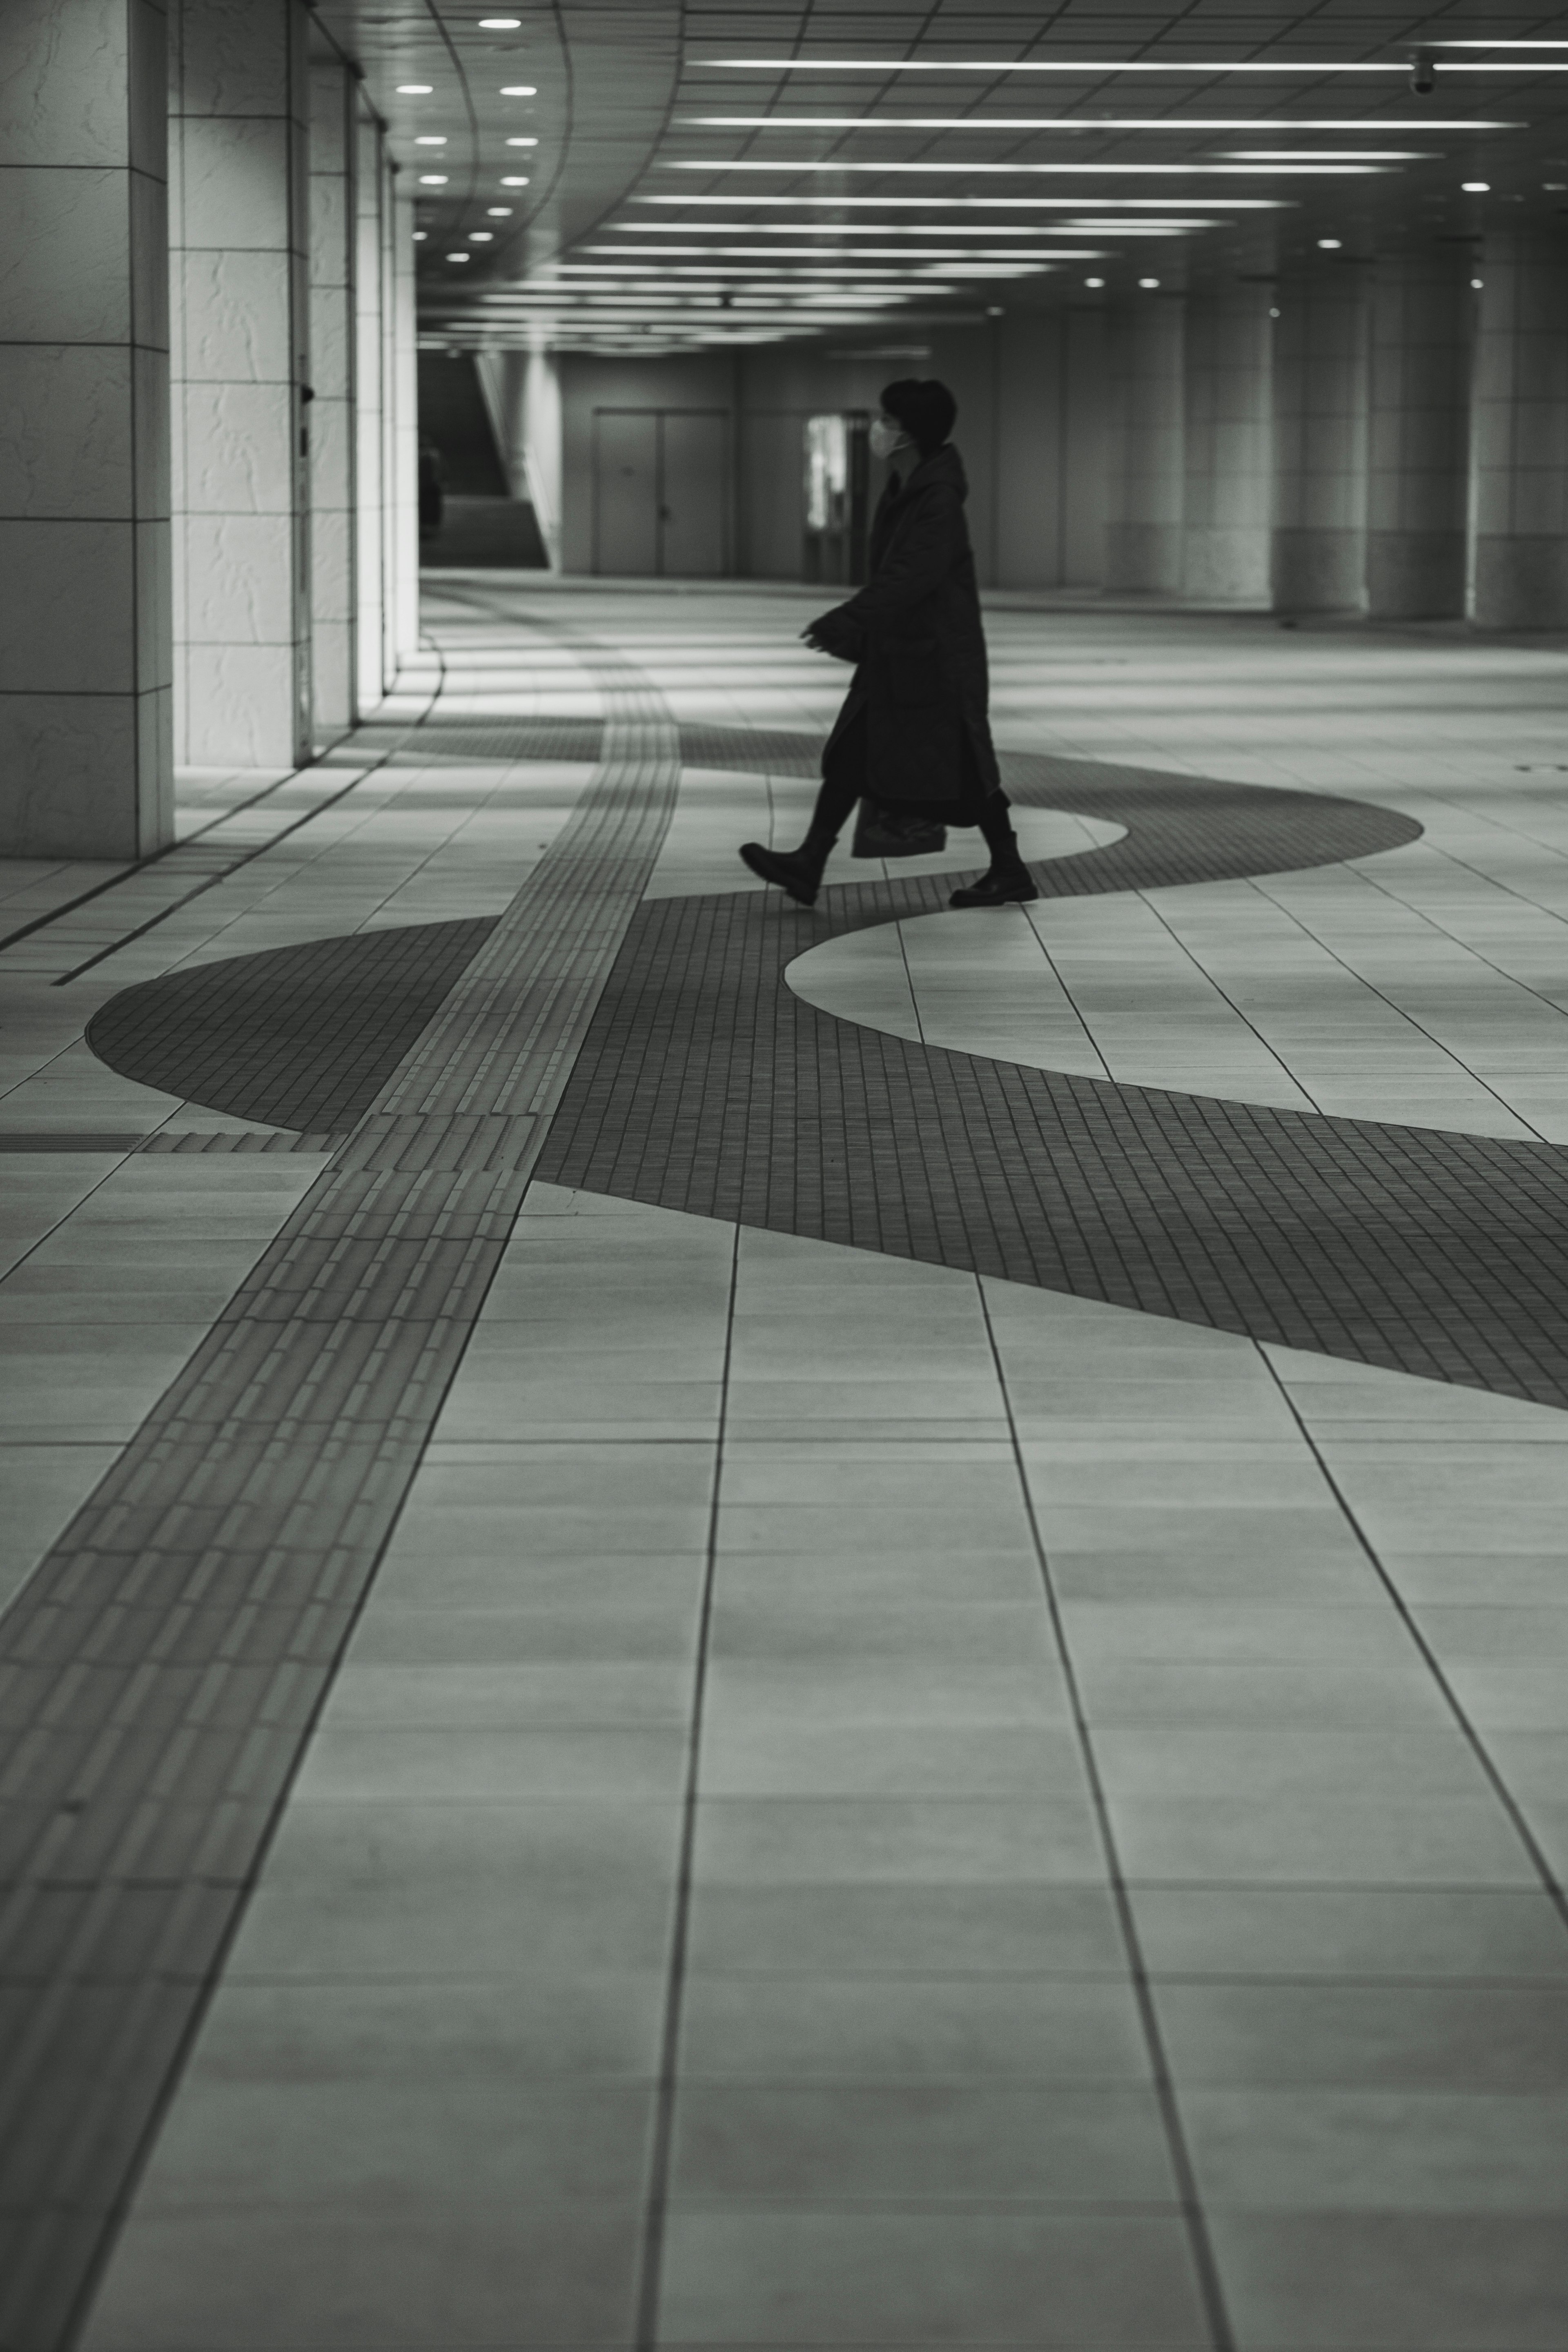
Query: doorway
{"x": 661, "y": 492}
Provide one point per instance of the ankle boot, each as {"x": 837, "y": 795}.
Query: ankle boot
{"x": 798, "y": 871}
{"x": 1006, "y": 885}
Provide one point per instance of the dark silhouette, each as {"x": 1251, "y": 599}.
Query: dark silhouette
{"x": 913, "y": 738}
{"x": 432, "y": 497}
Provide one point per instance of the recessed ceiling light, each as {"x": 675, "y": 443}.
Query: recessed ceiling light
{"x": 523, "y": 142}
{"x": 459, "y": 257}
{"x": 415, "y": 88}
{"x": 420, "y": 234}
{"x": 520, "y": 89}
{"x": 500, "y": 24}
{"x": 1148, "y": 281}
{"x": 1477, "y": 188}
{"x": 1331, "y": 243}
{"x": 481, "y": 237}
{"x": 498, "y": 212}
{"x": 1477, "y": 283}
{"x": 432, "y": 179}
{"x": 432, "y": 138}
{"x": 514, "y": 182}
{"x": 1095, "y": 282}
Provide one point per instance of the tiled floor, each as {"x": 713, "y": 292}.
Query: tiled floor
{"x": 869, "y": 1804}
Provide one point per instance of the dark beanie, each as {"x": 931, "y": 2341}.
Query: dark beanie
{"x": 925, "y": 408}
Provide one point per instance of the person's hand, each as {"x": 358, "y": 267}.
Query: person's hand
{"x": 828, "y": 634}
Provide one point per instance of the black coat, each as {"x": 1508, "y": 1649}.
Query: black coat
{"x": 914, "y": 633}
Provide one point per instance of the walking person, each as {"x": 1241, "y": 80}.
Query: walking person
{"x": 913, "y": 737}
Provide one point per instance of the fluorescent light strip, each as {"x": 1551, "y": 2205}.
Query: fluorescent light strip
{"x": 712, "y": 272}
{"x": 1093, "y": 171}
{"x": 1330, "y": 155}
{"x": 861, "y": 252}
{"x": 821, "y": 228}
{"x": 1037, "y": 204}
{"x": 1100, "y": 65}
{"x": 1065, "y": 122}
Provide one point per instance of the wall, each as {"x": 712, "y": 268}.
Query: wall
{"x": 1029, "y": 387}
{"x": 85, "y": 766}
{"x": 240, "y": 348}
{"x": 523, "y": 393}
{"x": 1228, "y": 486}
{"x": 329, "y": 422}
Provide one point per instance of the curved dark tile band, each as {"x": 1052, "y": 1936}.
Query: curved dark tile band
{"x": 305, "y": 1036}
{"x": 706, "y": 1085}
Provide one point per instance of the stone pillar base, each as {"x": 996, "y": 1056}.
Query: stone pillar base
{"x": 1415, "y": 575}
{"x": 1143, "y": 556}
{"x": 1315, "y": 570}
{"x": 1221, "y": 566}
{"x": 1520, "y": 583}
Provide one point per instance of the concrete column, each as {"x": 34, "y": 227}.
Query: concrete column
{"x": 1421, "y": 310}
{"x": 329, "y": 421}
{"x": 372, "y": 197}
{"x": 86, "y": 762}
{"x": 525, "y": 390}
{"x": 1318, "y": 555}
{"x": 241, "y": 284}
{"x": 403, "y": 485}
{"x": 1145, "y": 474}
{"x": 1520, "y": 438}
{"x": 1229, "y": 485}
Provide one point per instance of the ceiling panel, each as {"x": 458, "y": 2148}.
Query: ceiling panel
{"x": 1024, "y": 150}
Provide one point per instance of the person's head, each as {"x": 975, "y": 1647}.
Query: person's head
{"x": 922, "y": 409}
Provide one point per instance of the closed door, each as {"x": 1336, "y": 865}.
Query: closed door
{"x": 661, "y": 492}
{"x": 694, "y": 503}
{"x": 625, "y": 490}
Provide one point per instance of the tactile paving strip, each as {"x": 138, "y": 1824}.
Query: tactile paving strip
{"x": 707, "y": 1085}
{"x": 160, "y": 1673}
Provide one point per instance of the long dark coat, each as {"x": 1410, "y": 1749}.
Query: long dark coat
{"x": 915, "y": 634}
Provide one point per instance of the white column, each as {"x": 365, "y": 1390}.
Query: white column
{"x": 1144, "y": 482}
{"x": 86, "y": 762}
{"x": 329, "y": 423}
{"x": 1318, "y": 557}
{"x": 1419, "y": 449}
{"x": 404, "y": 487}
{"x": 370, "y": 189}
{"x": 239, "y": 278}
{"x": 1229, "y": 483}
{"x": 1520, "y": 439}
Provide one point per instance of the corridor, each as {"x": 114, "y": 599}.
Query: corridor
{"x": 836, "y": 1627}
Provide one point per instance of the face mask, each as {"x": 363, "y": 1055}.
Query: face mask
{"x": 887, "y": 436}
